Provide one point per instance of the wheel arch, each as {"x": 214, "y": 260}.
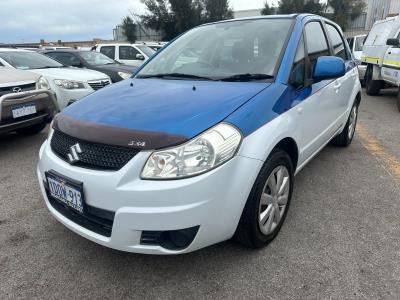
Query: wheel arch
{"x": 290, "y": 146}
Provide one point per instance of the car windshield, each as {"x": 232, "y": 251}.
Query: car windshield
{"x": 245, "y": 49}
{"x": 96, "y": 58}
{"x": 29, "y": 60}
{"x": 146, "y": 50}
{"x": 359, "y": 42}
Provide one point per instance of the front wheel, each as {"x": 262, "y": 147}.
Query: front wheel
{"x": 345, "y": 138}
{"x": 268, "y": 203}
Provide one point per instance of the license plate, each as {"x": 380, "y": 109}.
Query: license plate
{"x": 66, "y": 191}
{"x": 23, "y": 110}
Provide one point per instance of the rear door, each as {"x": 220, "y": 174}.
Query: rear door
{"x": 346, "y": 83}
{"x": 108, "y": 51}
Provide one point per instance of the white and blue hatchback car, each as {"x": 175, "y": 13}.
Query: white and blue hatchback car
{"x": 203, "y": 142}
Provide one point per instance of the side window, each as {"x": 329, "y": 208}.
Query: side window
{"x": 297, "y": 76}
{"x": 64, "y": 58}
{"x": 338, "y": 46}
{"x": 316, "y": 44}
{"x": 128, "y": 52}
{"x": 108, "y": 51}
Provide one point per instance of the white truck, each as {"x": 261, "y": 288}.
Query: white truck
{"x": 381, "y": 53}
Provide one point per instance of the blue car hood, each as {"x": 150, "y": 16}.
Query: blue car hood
{"x": 154, "y": 113}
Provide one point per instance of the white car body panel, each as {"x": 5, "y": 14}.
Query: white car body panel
{"x": 131, "y": 62}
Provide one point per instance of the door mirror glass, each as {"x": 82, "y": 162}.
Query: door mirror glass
{"x": 393, "y": 42}
{"x": 139, "y": 56}
{"x": 328, "y": 67}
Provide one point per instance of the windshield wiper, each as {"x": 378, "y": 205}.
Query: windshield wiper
{"x": 175, "y": 75}
{"x": 247, "y": 77}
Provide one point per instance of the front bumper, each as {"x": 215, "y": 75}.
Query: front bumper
{"x": 213, "y": 201}
{"x": 45, "y": 104}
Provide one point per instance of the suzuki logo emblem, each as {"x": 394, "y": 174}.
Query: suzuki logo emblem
{"x": 17, "y": 89}
{"x": 74, "y": 151}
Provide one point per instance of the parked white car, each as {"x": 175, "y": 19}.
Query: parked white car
{"x": 69, "y": 84}
{"x": 130, "y": 54}
{"x": 356, "y": 44}
{"x": 381, "y": 53}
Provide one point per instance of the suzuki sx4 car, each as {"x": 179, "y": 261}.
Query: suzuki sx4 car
{"x": 202, "y": 144}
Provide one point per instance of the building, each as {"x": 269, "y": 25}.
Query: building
{"x": 247, "y": 13}
{"x": 143, "y": 34}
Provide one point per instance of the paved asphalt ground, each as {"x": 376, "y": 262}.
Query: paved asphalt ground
{"x": 341, "y": 239}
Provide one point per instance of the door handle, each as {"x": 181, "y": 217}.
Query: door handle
{"x": 337, "y": 86}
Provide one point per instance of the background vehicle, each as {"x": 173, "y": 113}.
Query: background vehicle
{"x": 26, "y": 103}
{"x": 69, "y": 84}
{"x": 205, "y": 149}
{"x": 93, "y": 61}
{"x": 356, "y": 44}
{"x": 130, "y": 54}
{"x": 155, "y": 45}
{"x": 381, "y": 52}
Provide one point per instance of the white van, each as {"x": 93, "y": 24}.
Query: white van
{"x": 356, "y": 44}
{"x": 381, "y": 53}
{"x": 130, "y": 54}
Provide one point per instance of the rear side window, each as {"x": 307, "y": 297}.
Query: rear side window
{"x": 339, "y": 49}
{"x": 297, "y": 76}
{"x": 128, "y": 52}
{"x": 316, "y": 43}
{"x": 108, "y": 51}
{"x": 67, "y": 59}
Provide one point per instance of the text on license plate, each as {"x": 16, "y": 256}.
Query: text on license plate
{"x": 24, "y": 110}
{"x": 65, "y": 193}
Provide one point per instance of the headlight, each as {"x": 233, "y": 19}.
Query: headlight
{"x": 205, "y": 152}
{"x": 124, "y": 75}
{"x": 42, "y": 83}
{"x": 69, "y": 84}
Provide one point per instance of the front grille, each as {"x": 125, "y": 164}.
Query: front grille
{"x": 96, "y": 85}
{"x": 93, "y": 155}
{"x": 95, "y": 219}
{"x": 17, "y": 88}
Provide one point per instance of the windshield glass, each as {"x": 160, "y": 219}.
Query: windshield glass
{"x": 359, "y": 43}
{"x": 224, "y": 50}
{"x": 146, "y": 50}
{"x": 96, "y": 58}
{"x": 29, "y": 60}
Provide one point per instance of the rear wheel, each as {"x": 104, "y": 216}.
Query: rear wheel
{"x": 372, "y": 87}
{"x": 33, "y": 129}
{"x": 398, "y": 100}
{"x": 268, "y": 203}
{"x": 346, "y": 136}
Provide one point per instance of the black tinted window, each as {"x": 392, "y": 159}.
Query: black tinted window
{"x": 339, "y": 49}
{"x": 67, "y": 59}
{"x": 297, "y": 75}
{"x": 316, "y": 42}
{"x": 128, "y": 52}
{"x": 108, "y": 51}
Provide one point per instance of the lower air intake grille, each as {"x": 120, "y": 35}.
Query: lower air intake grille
{"x": 91, "y": 155}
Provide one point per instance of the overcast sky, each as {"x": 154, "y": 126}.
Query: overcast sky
{"x": 30, "y": 21}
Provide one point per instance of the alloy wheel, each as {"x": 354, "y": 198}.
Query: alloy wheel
{"x": 352, "y": 122}
{"x": 274, "y": 198}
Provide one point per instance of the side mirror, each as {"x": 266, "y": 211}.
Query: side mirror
{"x": 393, "y": 42}
{"x": 328, "y": 67}
{"x": 139, "y": 56}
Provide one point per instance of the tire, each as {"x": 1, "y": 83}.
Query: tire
{"x": 345, "y": 138}
{"x": 250, "y": 231}
{"x": 372, "y": 87}
{"x": 398, "y": 101}
{"x": 31, "y": 130}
